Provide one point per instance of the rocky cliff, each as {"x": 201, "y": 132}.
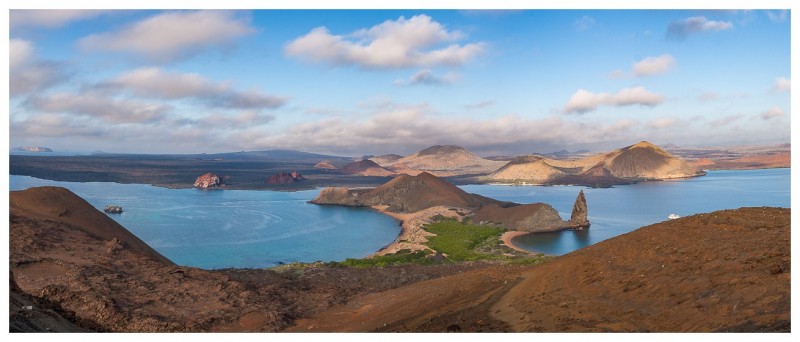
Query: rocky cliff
{"x": 285, "y": 178}
{"x": 580, "y": 214}
{"x": 535, "y": 217}
{"x": 208, "y": 180}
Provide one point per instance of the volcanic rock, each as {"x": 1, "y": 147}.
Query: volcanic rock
{"x": 406, "y": 193}
{"x": 366, "y": 167}
{"x": 534, "y": 218}
{"x": 579, "y": 218}
{"x": 34, "y": 149}
{"x": 285, "y": 178}
{"x": 113, "y": 209}
{"x": 208, "y": 180}
{"x": 444, "y": 160}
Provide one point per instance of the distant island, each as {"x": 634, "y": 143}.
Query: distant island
{"x": 635, "y": 163}
{"x": 33, "y": 149}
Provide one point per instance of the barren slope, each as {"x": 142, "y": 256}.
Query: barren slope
{"x": 722, "y": 271}
{"x": 366, "y": 167}
{"x": 445, "y": 160}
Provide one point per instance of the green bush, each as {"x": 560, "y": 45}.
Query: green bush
{"x": 459, "y": 240}
{"x": 403, "y": 256}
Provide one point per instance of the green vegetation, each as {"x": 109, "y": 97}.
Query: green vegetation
{"x": 458, "y": 240}
{"x": 403, "y": 256}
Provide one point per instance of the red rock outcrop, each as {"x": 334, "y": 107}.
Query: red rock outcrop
{"x": 285, "y": 178}
{"x": 208, "y": 180}
{"x": 580, "y": 215}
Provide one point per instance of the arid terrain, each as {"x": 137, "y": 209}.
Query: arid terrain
{"x": 721, "y": 271}
{"x": 248, "y": 170}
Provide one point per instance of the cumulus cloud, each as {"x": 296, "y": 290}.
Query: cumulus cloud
{"x": 772, "y": 113}
{"x": 156, "y": 83}
{"x": 427, "y": 77}
{"x": 654, "y": 65}
{"x": 28, "y": 74}
{"x": 584, "y": 101}
{"x": 392, "y": 44}
{"x": 98, "y": 106}
{"x": 782, "y": 84}
{"x": 49, "y": 18}
{"x": 173, "y": 35}
{"x": 682, "y": 29}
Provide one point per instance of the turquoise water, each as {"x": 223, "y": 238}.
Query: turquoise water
{"x": 236, "y": 228}
{"x": 621, "y": 209}
{"x": 240, "y": 228}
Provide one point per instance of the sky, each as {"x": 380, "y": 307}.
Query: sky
{"x": 355, "y": 82}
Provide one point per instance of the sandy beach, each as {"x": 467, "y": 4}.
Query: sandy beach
{"x": 509, "y": 235}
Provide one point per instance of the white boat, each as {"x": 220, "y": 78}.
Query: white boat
{"x": 673, "y": 216}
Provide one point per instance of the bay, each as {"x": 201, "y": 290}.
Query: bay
{"x": 235, "y": 228}
{"x": 621, "y": 209}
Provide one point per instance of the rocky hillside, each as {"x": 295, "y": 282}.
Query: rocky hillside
{"x": 366, "y": 167}
{"x": 285, "y": 178}
{"x": 722, "y": 271}
{"x": 74, "y": 269}
{"x": 442, "y": 160}
{"x": 535, "y": 217}
{"x": 639, "y": 162}
{"x": 386, "y": 159}
{"x": 406, "y": 193}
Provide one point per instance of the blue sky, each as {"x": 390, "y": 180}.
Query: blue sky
{"x": 355, "y": 82}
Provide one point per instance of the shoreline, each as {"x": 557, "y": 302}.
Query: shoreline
{"x": 412, "y": 236}
{"x": 508, "y": 236}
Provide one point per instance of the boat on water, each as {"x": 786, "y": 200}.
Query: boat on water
{"x": 673, "y": 216}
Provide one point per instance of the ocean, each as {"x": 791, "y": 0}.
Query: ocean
{"x": 256, "y": 229}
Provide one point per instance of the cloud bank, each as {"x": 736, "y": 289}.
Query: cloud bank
{"x": 585, "y": 101}
{"x": 156, "y": 83}
{"x": 27, "y": 73}
{"x": 782, "y": 84}
{"x": 49, "y": 18}
{"x": 172, "y": 36}
{"x": 402, "y": 43}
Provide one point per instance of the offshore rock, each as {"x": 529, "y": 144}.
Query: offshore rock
{"x": 208, "y": 180}
{"x": 113, "y": 209}
{"x": 285, "y": 178}
{"x": 580, "y": 214}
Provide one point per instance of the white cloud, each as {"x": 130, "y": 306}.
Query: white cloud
{"x": 28, "y": 74}
{"x": 98, "y": 106}
{"x": 584, "y": 23}
{"x": 392, "y": 44}
{"x": 403, "y": 129}
{"x": 49, "y": 18}
{"x": 584, "y": 101}
{"x": 427, "y": 77}
{"x": 782, "y": 84}
{"x": 173, "y": 35}
{"x": 681, "y": 29}
{"x": 153, "y": 82}
{"x": 654, "y": 65}
{"x": 778, "y": 17}
{"x": 724, "y": 121}
{"x": 772, "y": 113}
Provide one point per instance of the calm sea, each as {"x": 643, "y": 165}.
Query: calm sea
{"x": 240, "y": 228}
{"x": 236, "y": 228}
{"x": 621, "y": 209}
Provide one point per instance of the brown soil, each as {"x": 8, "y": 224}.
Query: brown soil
{"x": 768, "y": 161}
{"x": 87, "y": 274}
{"x": 447, "y": 160}
{"x": 722, "y": 271}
